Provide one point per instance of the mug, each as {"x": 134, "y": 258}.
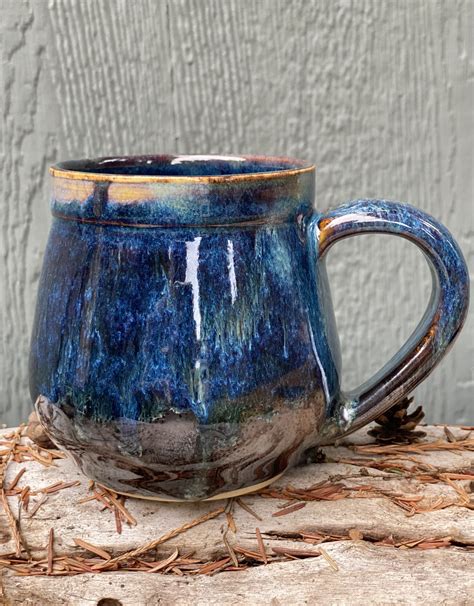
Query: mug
{"x": 184, "y": 344}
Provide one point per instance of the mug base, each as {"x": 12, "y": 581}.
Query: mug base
{"x": 223, "y": 495}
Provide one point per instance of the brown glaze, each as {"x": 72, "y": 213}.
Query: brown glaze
{"x": 176, "y": 457}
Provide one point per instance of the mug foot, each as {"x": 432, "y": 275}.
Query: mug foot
{"x": 223, "y": 495}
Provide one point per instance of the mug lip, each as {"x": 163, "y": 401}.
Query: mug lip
{"x": 67, "y": 169}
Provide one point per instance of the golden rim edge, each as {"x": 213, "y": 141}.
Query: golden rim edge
{"x": 114, "y": 178}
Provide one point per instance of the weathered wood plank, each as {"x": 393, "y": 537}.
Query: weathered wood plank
{"x": 376, "y": 517}
{"x": 366, "y": 575}
{"x": 349, "y": 571}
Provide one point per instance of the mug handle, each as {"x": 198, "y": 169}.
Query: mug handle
{"x": 440, "y": 324}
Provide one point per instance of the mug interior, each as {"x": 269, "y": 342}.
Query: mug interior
{"x": 184, "y": 166}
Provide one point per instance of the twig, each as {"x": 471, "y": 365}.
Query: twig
{"x": 166, "y": 537}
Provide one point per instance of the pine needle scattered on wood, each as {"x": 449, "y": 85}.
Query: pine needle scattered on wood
{"x": 289, "y": 509}
{"x": 16, "y": 479}
{"x": 248, "y": 509}
{"x": 38, "y": 504}
{"x": 112, "y": 497}
{"x": 7, "y": 454}
{"x": 261, "y": 546}
{"x": 395, "y": 459}
{"x": 12, "y": 523}
{"x": 166, "y": 537}
{"x": 113, "y": 502}
{"x": 416, "y": 448}
{"x": 118, "y": 521}
{"x": 297, "y": 553}
{"x": 50, "y": 551}
{"x": 230, "y": 550}
{"x": 322, "y": 491}
{"x": 332, "y": 563}
{"x": 93, "y": 549}
{"x": 249, "y": 554}
{"x": 229, "y": 508}
{"x": 231, "y": 522}
{"x": 166, "y": 562}
{"x": 213, "y": 567}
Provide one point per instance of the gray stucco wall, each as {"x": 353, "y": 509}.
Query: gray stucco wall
{"x": 378, "y": 93}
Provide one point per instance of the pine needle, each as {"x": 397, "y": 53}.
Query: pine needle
{"x": 166, "y": 537}
{"x": 50, "y": 550}
{"x": 16, "y": 479}
{"x": 165, "y": 563}
{"x": 13, "y": 524}
{"x": 93, "y": 549}
{"x": 261, "y": 545}
{"x": 329, "y": 559}
{"x": 248, "y": 509}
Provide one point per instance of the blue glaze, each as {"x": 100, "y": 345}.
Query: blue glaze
{"x": 140, "y": 321}
{"x": 184, "y": 343}
{"x": 247, "y": 195}
{"x": 442, "y": 320}
{"x": 183, "y": 166}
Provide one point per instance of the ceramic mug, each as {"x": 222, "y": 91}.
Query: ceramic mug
{"x": 184, "y": 343}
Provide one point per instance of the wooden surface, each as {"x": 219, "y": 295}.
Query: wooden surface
{"x": 398, "y": 528}
{"x": 378, "y": 94}
{"x": 368, "y": 575}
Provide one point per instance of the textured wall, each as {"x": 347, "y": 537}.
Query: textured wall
{"x": 379, "y": 94}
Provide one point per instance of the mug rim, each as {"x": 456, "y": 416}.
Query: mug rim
{"x": 83, "y": 169}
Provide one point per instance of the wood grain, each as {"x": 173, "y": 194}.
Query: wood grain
{"x": 366, "y": 575}
{"x": 358, "y": 567}
{"x": 376, "y": 517}
{"x": 379, "y": 94}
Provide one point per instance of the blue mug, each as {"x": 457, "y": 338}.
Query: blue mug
{"x": 184, "y": 344}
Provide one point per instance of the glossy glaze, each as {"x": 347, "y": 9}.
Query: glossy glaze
{"x": 445, "y": 313}
{"x": 184, "y": 342}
